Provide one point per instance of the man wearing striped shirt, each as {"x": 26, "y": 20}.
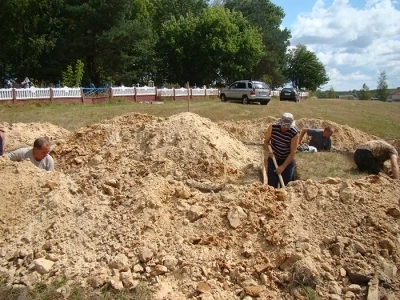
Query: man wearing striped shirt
{"x": 284, "y": 138}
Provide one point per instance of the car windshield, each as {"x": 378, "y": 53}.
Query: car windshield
{"x": 288, "y": 90}
{"x": 260, "y": 85}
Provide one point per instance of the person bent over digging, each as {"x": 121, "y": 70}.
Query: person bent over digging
{"x": 320, "y": 138}
{"x": 284, "y": 138}
{"x": 371, "y": 156}
{"x": 38, "y": 155}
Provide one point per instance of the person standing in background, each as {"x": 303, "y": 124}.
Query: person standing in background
{"x": 2, "y": 140}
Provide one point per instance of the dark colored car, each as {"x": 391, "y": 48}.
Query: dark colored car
{"x": 289, "y": 94}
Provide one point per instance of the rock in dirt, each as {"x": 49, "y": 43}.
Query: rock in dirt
{"x": 120, "y": 262}
{"x": 393, "y": 212}
{"x": 254, "y": 291}
{"x": 203, "y": 287}
{"x": 42, "y": 265}
{"x": 145, "y": 254}
{"x": 373, "y": 290}
{"x": 358, "y": 278}
{"x": 236, "y": 216}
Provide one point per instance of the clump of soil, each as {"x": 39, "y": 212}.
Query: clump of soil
{"x": 19, "y": 135}
{"x": 166, "y": 201}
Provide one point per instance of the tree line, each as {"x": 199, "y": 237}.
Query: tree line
{"x": 365, "y": 93}
{"x": 166, "y": 41}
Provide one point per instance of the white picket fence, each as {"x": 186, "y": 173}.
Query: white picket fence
{"x": 164, "y": 92}
{"x": 66, "y": 92}
{"x": 40, "y": 93}
{"x": 130, "y": 91}
{"x": 6, "y": 94}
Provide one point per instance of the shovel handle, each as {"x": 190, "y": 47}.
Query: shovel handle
{"x": 276, "y": 165}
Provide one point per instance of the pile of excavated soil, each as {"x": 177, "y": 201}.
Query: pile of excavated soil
{"x": 181, "y": 147}
{"x": 161, "y": 201}
{"x": 19, "y": 135}
{"x": 253, "y": 131}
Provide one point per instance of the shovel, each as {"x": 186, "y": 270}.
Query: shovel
{"x": 276, "y": 166}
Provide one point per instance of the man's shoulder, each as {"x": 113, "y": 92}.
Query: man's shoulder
{"x": 314, "y": 130}
{"x": 49, "y": 158}
{"x": 23, "y": 150}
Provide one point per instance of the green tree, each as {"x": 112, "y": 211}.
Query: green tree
{"x": 304, "y": 69}
{"x": 320, "y": 93}
{"x": 382, "y": 90}
{"x": 72, "y": 77}
{"x": 364, "y": 93}
{"x": 215, "y": 45}
{"x": 331, "y": 93}
{"x": 113, "y": 38}
{"x": 268, "y": 17}
{"x": 165, "y": 10}
{"x": 28, "y": 33}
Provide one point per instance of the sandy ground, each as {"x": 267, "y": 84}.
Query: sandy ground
{"x": 178, "y": 203}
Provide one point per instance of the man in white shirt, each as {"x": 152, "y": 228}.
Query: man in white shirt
{"x": 38, "y": 155}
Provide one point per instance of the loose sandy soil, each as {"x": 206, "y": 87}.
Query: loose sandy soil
{"x": 178, "y": 203}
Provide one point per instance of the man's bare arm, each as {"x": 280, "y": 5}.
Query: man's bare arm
{"x": 293, "y": 149}
{"x": 395, "y": 166}
{"x": 303, "y": 132}
{"x": 267, "y": 139}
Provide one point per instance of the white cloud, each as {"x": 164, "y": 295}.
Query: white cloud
{"x": 355, "y": 44}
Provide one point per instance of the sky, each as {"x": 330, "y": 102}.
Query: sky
{"x": 355, "y": 40}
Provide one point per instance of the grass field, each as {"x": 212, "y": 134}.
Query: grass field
{"x": 373, "y": 117}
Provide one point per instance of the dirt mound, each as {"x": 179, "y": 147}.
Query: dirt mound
{"x": 253, "y": 132}
{"x": 183, "y": 146}
{"x": 248, "y": 131}
{"x": 159, "y": 200}
{"x": 344, "y": 138}
{"x": 20, "y": 135}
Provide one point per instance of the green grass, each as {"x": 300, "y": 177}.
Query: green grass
{"x": 321, "y": 165}
{"x": 373, "y": 117}
{"x": 308, "y": 292}
{"x": 49, "y": 292}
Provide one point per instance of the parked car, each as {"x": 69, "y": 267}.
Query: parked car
{"x": 289, "y": 94}
{"x": 247, "y": 91}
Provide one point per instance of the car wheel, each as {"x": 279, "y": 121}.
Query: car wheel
{"x": 223, "y": 97}
{"x": 245, "y": 100}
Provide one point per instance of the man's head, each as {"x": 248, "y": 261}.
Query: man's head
{"x": 41, "y": 148}
{"x": 328, "y": 131}
{"x": 286, "y": 121}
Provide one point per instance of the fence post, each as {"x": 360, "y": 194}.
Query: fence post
{"x": 173, "y": 93}
{"x": 156, "y": 96}
{"x": 82, "y": 96}
{"x": 111, "y": 94}
{"x": 51, "y": 94}
{"x": 14, "y": 95}
{"x": 189, "y": 95}
{"x": 134, "y": 93}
